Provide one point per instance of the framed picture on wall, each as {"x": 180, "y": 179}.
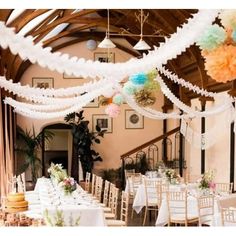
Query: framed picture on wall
{"x": 65, "y": 76}
{"x": 104, "y": 57}
{"x": 42, "y": 82}
{"x": 133, "y": 120}
{"x": 103, "y": 121}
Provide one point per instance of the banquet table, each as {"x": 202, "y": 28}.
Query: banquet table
{"x": 48, "y": 201}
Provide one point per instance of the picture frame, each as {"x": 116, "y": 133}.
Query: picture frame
{"x": 65, "y": 76}
{"x": 103, "y": 121}
{"x": 104, "y": 57}
{"x": 42, "y": 82}
{"x": 133, "y": 120}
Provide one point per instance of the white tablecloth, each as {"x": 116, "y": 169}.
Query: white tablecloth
{"x": 48, "y": 202}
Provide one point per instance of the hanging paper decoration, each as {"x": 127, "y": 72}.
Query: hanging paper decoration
{"x": 144, "y": 98}
{"x": 118, "y": 99}
{"x": 138, "y": 79}
{"x": 219, "y": 48}
{"x": 221, "y": 63}
{"x": 213, "y": 37}
{"x": 228, "y": 18}
{"x": 112, "y": 110}
{"x": 129, "y": 88}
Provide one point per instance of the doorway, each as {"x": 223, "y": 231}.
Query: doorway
{"x": 59, "y": 149}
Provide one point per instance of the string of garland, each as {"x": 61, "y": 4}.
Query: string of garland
{"x": 172, "y": 47}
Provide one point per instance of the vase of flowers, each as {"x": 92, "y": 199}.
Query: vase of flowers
{"x": 172, "y": 176}
{"x": 68, "y": 185}
{"x": 57, "y": 173}
{"x": 206, "y": 183}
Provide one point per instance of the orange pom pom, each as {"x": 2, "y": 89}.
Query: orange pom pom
{"x": 221, "y": 63}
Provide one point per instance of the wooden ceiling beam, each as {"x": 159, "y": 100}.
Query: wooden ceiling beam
{"x": 64, "y": 19}
{"x": 4, "y": 14}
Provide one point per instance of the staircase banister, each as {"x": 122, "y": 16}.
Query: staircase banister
{"x": 150, "y": 142}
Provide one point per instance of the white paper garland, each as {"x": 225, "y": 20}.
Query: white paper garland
{"x": 173, "y": 46}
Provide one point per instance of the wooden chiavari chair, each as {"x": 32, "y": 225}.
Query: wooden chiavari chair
{"x": 224, "y": 188}
{"x": 113, "y": 204}
{"x": 228, "y": 216}
{"x": 177, "y": 208}
{"x": 205, "y": 209}
{"x": 87, "y": 182}
{"x": 153, "y": 195}
{"x": 93, "y": 184}
{"x": 123, "y": 212}
{"x": 98, "y": 188}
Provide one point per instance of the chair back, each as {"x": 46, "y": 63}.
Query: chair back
{"x": 224, "y": 188}
{"x": 205, "y": 209}
{"x": 110, "y": 196}
{"x": 228, "y": 216}
{"x": 93, "y": 184}
{"x": 87, "y": 182}
{"x": 177, "y": 206}
{"x": 106, "y": 193}
{"x": 98, "y": 188}
{"x": 136, "y": 181}
{"x": 153, "y": 192}
{"x": 128, "y": 173}
{"x": 124, "y": 207}
{"x": 115, "y": 196}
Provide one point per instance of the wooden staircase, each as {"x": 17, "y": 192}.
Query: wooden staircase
{"x": 148, "y": 149}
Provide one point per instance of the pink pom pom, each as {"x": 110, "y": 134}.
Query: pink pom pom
{"x": 112, "y": 110}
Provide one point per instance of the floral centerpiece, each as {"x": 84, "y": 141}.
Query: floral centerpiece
{"x": 57, "y": 172}
{"x": 172, "y": 176}
{"x": 207, "y": 181}
{"x": 68, "y": 185}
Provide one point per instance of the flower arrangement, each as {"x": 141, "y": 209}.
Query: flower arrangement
{"x": 207, "y": 181}
{"x": 68, "y": 185}
{"x": 218, "y": 45}
{"x": 57, "y": 172}
{"x": 172, "y": 176}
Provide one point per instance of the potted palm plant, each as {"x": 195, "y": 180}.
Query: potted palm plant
{"x": 28, "y": 144}
{"x": 83, "y": 140}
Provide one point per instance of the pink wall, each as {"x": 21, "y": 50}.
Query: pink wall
{"x": 120, "y": 140}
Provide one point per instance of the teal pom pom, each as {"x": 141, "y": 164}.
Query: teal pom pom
{"x": 212, "y": 38}
{"x": 118, "y": 99}
{"x": 138, "y": 79}
{"x": 129, "y": 88}
{"x": 234, "y": 35}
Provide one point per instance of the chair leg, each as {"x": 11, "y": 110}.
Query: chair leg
{"x": 145, "y": 216}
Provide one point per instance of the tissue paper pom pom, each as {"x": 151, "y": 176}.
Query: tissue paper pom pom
{"x": 118, "y": 99}
{"x": 228, "y": 18}
{"x": 152, "y": 74}
{"x": 129, "y": 88}
{"x": 221, "y": 63}
{"x": 144, "y": 98}
{"x": 112, "y": 110}
{"x": 234, "y": 35}
{"x": 152, "y": 85}
{"x": 138, "y": 79}
{"x": 212, "y": 38}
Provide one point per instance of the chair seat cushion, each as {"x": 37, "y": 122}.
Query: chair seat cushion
{"x": 181, "y": 217}
{"x": 109, "y": 215}
{"x": 107, "y": 209}
{"x": 116, "y": 223}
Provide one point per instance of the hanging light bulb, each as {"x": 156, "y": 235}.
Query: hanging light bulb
{"x": 106, "y": 42}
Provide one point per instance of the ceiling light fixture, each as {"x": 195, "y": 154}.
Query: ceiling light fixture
{"x": 141, "y": 44}
{"x": 106, "y": 42}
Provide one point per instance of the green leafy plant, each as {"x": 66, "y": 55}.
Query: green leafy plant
{"x": 28, "y": 143}
{"x": 83, "y": 140}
